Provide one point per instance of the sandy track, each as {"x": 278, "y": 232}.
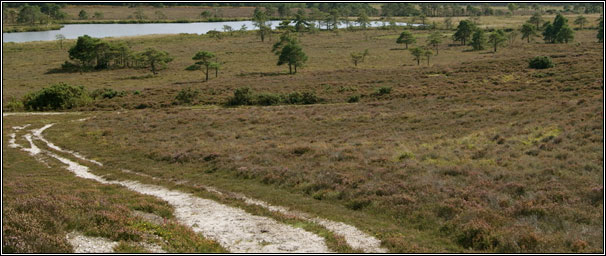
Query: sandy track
{"x": 235, "y": 229}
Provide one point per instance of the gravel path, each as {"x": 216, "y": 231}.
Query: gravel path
{"x": 235, "y": 229}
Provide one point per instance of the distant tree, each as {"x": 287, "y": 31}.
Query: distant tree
{"x": 83, "y": 15}
{"x": 29, "y": 14}
{"x": 205, "y": 14}
{"x": 259, "y": 18}
{"x": 427, "y": 54}
{"x": 84, "y": 51}
{"x": 497, "y": 38}
{"x": 417, "y": 53}
{"x": 580, "y": 20}
{"x": 292, "y": 54}
{"x": 422, "y": 17}
{"x": 270, "y": 11}
{"x": 512, "y": 7}
{"x": 406, "y": 38}
{"x": 363, "y": 19}
{"x": 332, "y": 20}
{"x": 536, "y": 19}
{"x": 216, "y": 66}
{"x": 464, "y": 31}
{"x": 204, "y": 58}
{"x": 536, "y": 7}
{"x": 263, "y": 32}
{"x": 478, "y": 40}
{"x": 558, "y": 32}
{"x": 434, "y": 40}
{"x": 528, "y": 31}
{"x": 358, "y": 57}
{"x": 284, "y": 10}
{"x": 154, "y": 59}
{"x": 60, "y": 39}
{"x": 53, "y": 11}
{"x": 300, "y": 21}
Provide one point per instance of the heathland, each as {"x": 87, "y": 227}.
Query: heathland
{"x": 470, "y": 151}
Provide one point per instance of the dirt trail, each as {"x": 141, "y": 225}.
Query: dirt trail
{"x": 235, "y": 229}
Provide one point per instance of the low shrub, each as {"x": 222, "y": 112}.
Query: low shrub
{"x": 186, "y": 96}
{"x": 309, "y": 98}
{"x": 267, "y": 99}
{"x": 353, "y": 99}
{"x": 382, "y": 91}
{"x": 193, "y": 67}
{"x": 14, "y": 104}
{"x": 540, "y": 62}
{"x": 57, "y": 97}
{"x": 106, "y": 93}
{"x": 242, "y": 96}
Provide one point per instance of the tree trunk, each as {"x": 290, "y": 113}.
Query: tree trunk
{"x": 495, "y": 47}
{"x": 295, "y": 68}
{"x": 289, "y": 69}
{"x": 406, "y": 45}
{"x": 418, "y": 61}
{"x": 216, "y": 72}
{"x": 427, "y": 60}
{"x": 206, "y": 72}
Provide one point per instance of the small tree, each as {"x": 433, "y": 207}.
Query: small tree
{"x": 558, "y": 32}
{"x": 528, "y": 31}
{"x": 427, "y": 54}
{"x": 83, "y": 15}
{"x": 358, "y": 57}
{"x": 496, "y": 39}
{"x": 98, "y": 15}
{"x": 204, "y": 58}
{"x": 363, "y": 19}
{"x": 155, "y": 59}
{"x": 406, "y": 38}
{"x": 263, "y": 32}
{"x": 300, "y": 21}
{"x": 434, "y": 40}
{"x": 448, "y": 23}
{"x": 580, "y": 20}
{"x": 417, "y": 53}
{"x": 227, "y": 29}
{"x": 138, "y": 14}
{"x": 536, "y": 19}
{"x": 464, "y": 31}
{"x": 293, "y": 55}
{"x": 478, "y": 40}
{"x": 60, "y": 39}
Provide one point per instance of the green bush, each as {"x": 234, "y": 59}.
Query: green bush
{"x": 382, "y": 91}
{"x": 309, "y": 98}
{"x": 293, "y": 98}
{"x": 267, "y": 99}
{"x": 354, "y": 98}
{"x": 540, "y": 62}
{"x": 242, "y": 96}
{"x": 193, "y": 67}
{"x": 186, "y": 96}
{"x": 106, "y": 93}
{"x": 57, "y": 97}
{"x": 14, "y": 105}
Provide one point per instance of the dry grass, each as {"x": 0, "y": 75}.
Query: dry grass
{"x": 475, "y": 153}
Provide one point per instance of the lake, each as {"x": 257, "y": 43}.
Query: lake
{"x": 73, "y": 31}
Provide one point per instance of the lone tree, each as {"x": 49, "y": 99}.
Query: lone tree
{"x": 204, "y": 58}
{"x": 417, "y": 53}
{"x": 83, "y": 15}
{"x": 263, "y": 32}
{"x": 497, "y": 38}
{"x": 580, "y": 20}
{"x": 155, "y": 59}
{"x": 536, "y": 19}
{"x": 464, "y": 31}
{"x": 363, "y": 19}
{"x": 434, "y": 40}
{"x": 358, "y": 57}
{"x": 406, "y": 38}
{"x": 292, "y": 54}
{"x": 479, "y": 40}
{"x": 558, "y": 32}
{"x": 60, "y": 38}
{"x": 528, "y": 31}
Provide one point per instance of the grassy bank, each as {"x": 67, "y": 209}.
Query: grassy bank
{"x": 25, "y": 28}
